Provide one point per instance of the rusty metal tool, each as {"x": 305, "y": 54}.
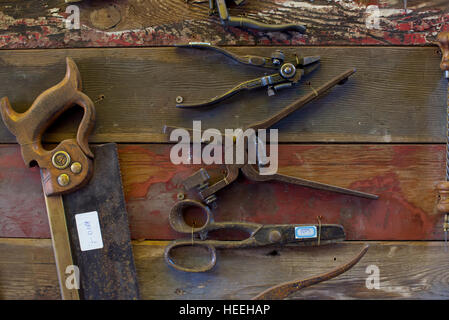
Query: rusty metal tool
{"x": 259, "y": 235}
{"x": 220, "y": 7}
{"x": 288, "y": 73}
{"x": 201, "y": 178}
{"x": 286, "y": 289}
{"x": 443, "y": 187}
{"x": 72, "y": 188}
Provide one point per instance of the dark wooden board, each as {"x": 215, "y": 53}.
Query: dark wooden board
{"x": 135, "y": 91}
{"x": 404, "y": 176}
{"x": 118, "y": 23}
{"x": 407, "y": 270}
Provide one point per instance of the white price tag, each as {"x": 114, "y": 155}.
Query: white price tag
{"x": 89, "y": 231}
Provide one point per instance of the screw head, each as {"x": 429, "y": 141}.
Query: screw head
{"x": 63, "y": 180}
{"x": 179, "y": 99}
{"x": 60, "y": 160}
{"x": 274, "y": 236}
{"x": 76, "y": 167}
{"x": 288, "y": 70}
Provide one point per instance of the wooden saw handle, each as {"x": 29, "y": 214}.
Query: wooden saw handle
{"x": 68, "y": 166}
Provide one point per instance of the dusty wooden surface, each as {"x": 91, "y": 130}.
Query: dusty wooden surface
{"x": 404, "y": 177}
{"x": 407, "y": 270}
{"x": 41, "y": 24}
{"x": 135, "y": 91}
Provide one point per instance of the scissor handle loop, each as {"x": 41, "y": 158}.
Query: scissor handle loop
{"x": 183, "y": 243}
{"x": 176, "y": 216}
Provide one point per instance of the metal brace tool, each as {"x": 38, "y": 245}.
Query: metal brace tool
{"x": 200, "y": 179}
{"x": 288, "y": 74}
{"x": 220, "y": 7}
{"x": 286, "y": 289}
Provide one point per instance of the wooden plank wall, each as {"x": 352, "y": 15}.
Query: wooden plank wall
{"x": 382, "y": 132}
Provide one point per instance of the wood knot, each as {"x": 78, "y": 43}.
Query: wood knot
{"x": 106, "y": 18}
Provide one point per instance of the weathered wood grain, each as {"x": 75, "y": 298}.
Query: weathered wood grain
{"x": 397, "y": 94}
{"x": 41, "y": 24}
{"x": 408, "y": 270}
{"x": 404, "y": 176}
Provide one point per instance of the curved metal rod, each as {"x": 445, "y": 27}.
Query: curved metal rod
{"x": 285, "y": 289}
{"x": 253, "y": 24}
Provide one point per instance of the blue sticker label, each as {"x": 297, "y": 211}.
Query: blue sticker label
{"x": 305, "y": 232}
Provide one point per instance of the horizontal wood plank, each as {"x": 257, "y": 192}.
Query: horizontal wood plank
{"x": 397, "y": 94}
{"x": 41, "y": 24}
{"x": 407, "y": 270}
{"x": 404, "y": 176}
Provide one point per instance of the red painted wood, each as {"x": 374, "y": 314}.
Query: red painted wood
{"x": 149, "y": 23}
{"x": 403, "y": 175}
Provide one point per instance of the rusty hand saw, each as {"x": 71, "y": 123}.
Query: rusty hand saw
{"x": 83, "y": 194}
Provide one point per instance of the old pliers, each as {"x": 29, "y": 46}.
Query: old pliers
{"x": 288, "y": 74}
{"x": 200, "y": 180}
{"x": 219, "y": 7}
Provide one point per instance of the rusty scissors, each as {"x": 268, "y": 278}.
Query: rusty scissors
{"x": 259, "y": 235}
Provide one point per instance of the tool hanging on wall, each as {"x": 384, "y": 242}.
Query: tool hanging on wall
{"x": 286, "y": 289}
{"x": 219, "y": 7}
{"x": 85, "y": 207}
{"x": 201, "y": 178}
{"x": 289, "y": 73}
{"x": 258, "y": 235}
{"x": 443, "y": 187}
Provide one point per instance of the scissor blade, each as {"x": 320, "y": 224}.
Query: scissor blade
{"x": 300, "y": 234}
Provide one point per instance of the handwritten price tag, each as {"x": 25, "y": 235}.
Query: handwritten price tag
{"x": 89, "y": 231}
